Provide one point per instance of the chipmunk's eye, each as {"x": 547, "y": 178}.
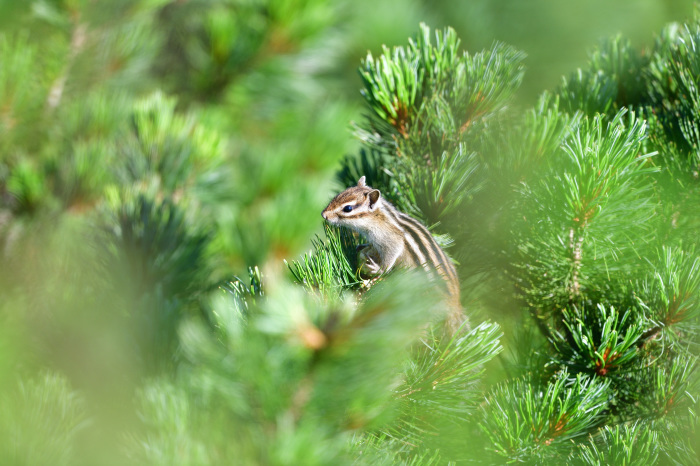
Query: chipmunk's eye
{"x": 347, "y": 208}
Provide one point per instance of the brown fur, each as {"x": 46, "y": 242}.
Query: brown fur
{"x": 394, "y": 238}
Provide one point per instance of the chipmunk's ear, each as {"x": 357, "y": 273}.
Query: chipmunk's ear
{"x": 361, "y": 182}
{"x": 374, "y": 196}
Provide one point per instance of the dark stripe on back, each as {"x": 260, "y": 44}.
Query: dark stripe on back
{"x": 395, "y": 214}
{"x": 411, "y": 225}
{"x": 420, "y": 242}
{"x": 438, "y": 253}
{"x": 414, "y": 256}
{"x": 417, "y": 230}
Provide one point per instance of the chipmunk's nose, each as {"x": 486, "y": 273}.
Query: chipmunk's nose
{"x": 323, "y": 214}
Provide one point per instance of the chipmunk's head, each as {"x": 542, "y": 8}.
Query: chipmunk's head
{"x": 354, "y": 207}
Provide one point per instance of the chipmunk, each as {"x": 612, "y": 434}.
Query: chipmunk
{"x": 394, "y": 239}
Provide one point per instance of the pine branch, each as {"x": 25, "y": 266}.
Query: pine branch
{"x": 591, "y": 216}
{"x": 328, "y": 269}
{"x": 670, "y": 296}
{"x": 440, "y": 387}
{"x": 613, "y": 80}
{"x": 601, "y": 341}
{"x": 525, "y": 421}
{"x": 627, "y": 444}
{"x": 40, "y": 419}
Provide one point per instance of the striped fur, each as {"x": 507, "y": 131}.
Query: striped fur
{"x": 398, "y": 238}
{"x": 422, "y": 248}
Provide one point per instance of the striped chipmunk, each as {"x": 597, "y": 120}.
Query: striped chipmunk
{"x": 395, "y": 239}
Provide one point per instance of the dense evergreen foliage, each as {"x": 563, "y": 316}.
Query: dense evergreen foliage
{"x": 161, "y": 162}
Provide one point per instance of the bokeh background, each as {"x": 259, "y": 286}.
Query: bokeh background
{"x": 151, "y": 149}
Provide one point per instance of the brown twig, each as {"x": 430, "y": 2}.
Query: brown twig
{"x": 77, "y": 44}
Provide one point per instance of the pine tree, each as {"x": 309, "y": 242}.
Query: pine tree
{"x": 151, "y": 156}
{"x": 606, "y": 276}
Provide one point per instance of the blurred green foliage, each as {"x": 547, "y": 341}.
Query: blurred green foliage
{"x": 155, "y": 153}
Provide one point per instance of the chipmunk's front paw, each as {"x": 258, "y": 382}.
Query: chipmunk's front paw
{"x": 368, "y": 261}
